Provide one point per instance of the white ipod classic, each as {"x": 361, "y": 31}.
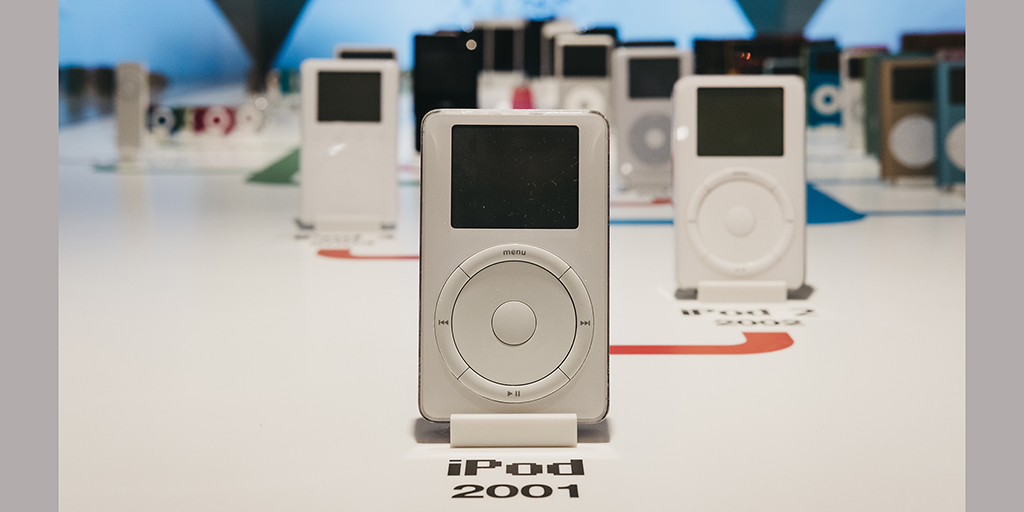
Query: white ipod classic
{"x": 132, "y": 90}
{"x": 738, "y": 154}
{"x": 642, "y": 81}
{"x": 583, "y": 68}
{"x": 514, "y": 263}
{"x": 504, "y": 59}
{"x": 548, "y": 33}
{"x": 349, "y": 157}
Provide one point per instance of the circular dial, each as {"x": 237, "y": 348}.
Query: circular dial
{"x": 740, "y": 221}
{"x": 826, "y": 99}
{"x": 514, "y": 323}
{"x": 912, "y": 141}
{"x": 584, "y": 97}
{"x": 649, "y": 139}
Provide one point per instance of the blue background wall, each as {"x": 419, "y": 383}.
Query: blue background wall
{"x": 191, "y": 41}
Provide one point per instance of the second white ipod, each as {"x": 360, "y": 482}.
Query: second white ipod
{"x": 740, "y": 182}
{"x": 349, "y": 157}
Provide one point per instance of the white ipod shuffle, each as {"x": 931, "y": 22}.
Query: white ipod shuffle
{"x": 132, "y": 90}
{"x": 514, "y": 263}
{"x": 740, "y": 182}
{"x": 349, "y": 157}
{"x": 583, "y": 68}
{"x": 643, "y": 78}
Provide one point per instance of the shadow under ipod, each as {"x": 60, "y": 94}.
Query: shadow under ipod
{"x": 514, "y": 263}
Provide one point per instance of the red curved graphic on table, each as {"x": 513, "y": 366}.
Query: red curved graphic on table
{"x": 757, "y": 343}
{"x": 346, "y": 254}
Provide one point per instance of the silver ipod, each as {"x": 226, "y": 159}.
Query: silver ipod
{"x": 514, "y": 263}
{"x": 642, "y": 81}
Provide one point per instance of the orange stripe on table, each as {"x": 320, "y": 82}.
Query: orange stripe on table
{"x": 346, "y": 254}
{"x": 756, "y": 343}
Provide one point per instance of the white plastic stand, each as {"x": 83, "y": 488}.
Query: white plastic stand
{"x": 741, "y": 291}
{"x": 513, "y": 430}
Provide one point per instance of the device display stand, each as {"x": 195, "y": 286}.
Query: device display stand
{"x": 741, "y": 291}
{"x": 513, "y": 430}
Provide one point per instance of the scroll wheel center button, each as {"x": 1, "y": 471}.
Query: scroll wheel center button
{"x": 513, "y": 323}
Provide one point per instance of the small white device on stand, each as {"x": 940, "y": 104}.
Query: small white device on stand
{"x": 740, "y": 186}
{"x": 349, "y": 157}
{"x": 642, "y": 81}
{"x": 514, "y": 269}
{"x": 583, "y": 64}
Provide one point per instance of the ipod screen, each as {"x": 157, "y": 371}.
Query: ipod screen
{"x": 445, "y": 65}
{"x": 913, "y": 84}
{"x": 584, "y": 60}
{"x": 739, "y": 121}
{"x": 826, "y": 62}
{"x": 364, "y": 54}
{"x": 652, "y": 78}
{"x": 855, "y": 67}
{"x": 504, "y": 49}
{"x": 515, "y": 177}
{"x": 958, "y": 86}
{"x": 348, "y": 96}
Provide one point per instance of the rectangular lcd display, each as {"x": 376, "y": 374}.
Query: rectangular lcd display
{"x": 348, "y": 96}
{"x": 826, "y": 62}
{"x": 446, "y": 66}
{"x": 652, "y": 78}
{"x": 913, "y": 84}
{"x": 504, "y": 49}
{"x": 367, "y": 54}
{"x": 515, "y": 177}
{"x": 855, "y": 67}
{"x": 958, "y": 86}
{"x": 739, "y": 121}
{"x": 584, "y": 60}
